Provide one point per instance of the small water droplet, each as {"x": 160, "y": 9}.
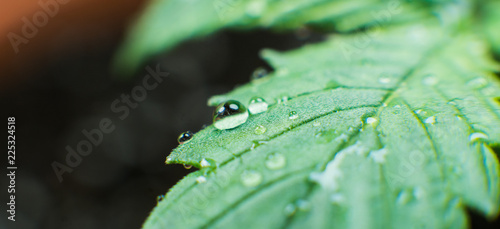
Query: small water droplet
{"x": 275, "y": 161}
{"x": 204, "y": 163}
{"x": 168, "y": 160}
{"x": 290, "y": 209}
{"x": 293, "y": 115}
{"x": 185, "y": 137}
{"x": 477, "y": 136}
{"x": 160, "y": 198}
{"x": 384, "y": 80}
{"x": 430, "y": 120}
{"x": 186, "y": 166}
{"x": 316, "y": 124}
{"x": 251, "y": 178}
{"x": 337, "y": 198}
{"x": 397, "y": 106}
{"x": 384, "y": 104}
{"x": 418, "y": 111}
{"x": 260, "y": 130}
{"x": 430, "y": 80}
{"x": 259, "y": 73}
{"x": 229, "y": 115}
{"x": 201, "y": 179}
{"x": 257, "y": 105}
{"x": 371, "y": 120}
{"x": 403, "y": 197}
{"x": 418, "y": 192}
{"x": 303, "y": 205}
{"x": 283, "y": 99}
{"x": 477, "y": 83}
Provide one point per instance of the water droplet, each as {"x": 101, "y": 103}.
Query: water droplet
{"x": 332, "y": 84}
{"x": 430, "y": 120}
{"x": 283, "y": 99}
{"x": 229, "y": 115}
{"x": 430, "y": 80}
{"x": 384, "y": 104}
{"x": 337, "y": 198}
{"x": 186, "y": 166}
{"x": 303, "y": 205}
{"x": 204, "y": 163}
{"x": 397, "y": 106}
{"x": 257, "y": 105}
{"x": 251, "y": 178}
{"x": 255, "y": 9}
{"x": 201, "y": 179}
{"x": 168, "y": 160}
{"x": 477, "y": 136}
{"x": 403, "y": 197}
{"x": 418, "y": 111}
{"x": 160, "y": 198}
{"x": 477, "y": 83}
{"x": 371, "y": 120}
{"x": 185, "y": 137}
{"x": 316, "y": 124}
{"x": 260, "y": 130}
{"x": 290, "y": 209}
{"x": 418, "y": 192}
{"x": 293, "y": 115}
{"x": 275, "y": 161}
{"x": 384, "y": 80}
{"x": 259, "y": 73}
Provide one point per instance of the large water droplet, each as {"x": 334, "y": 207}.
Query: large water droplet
{"x": 160, "y": 198}
{"x": 186, "y": 166}
{"x": 275, "y": 161}
{"x": 251, "y": 178}
{"x": 260, "y": 130}
{"x": 259, "y": 73}
{"x": 293, "y": 115}
{"x": 184, "y": 137}
{"x": 229, "y": 115}
{"x": 257, "y": 105}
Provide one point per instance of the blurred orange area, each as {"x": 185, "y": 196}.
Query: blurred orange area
{"x": 37, "y": 32}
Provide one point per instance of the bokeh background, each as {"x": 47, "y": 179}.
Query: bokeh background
{"x": 60, "y": 83}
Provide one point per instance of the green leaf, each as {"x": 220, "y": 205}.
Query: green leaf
{"x": 166, "y": 23}
{"x": 395, "y": 129}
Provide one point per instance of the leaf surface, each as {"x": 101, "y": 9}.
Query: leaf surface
{"x": 395, "y": 133}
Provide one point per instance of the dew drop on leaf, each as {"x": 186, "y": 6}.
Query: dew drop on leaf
{"x": 477, "y": 136}
{"x": 477, "y": 83}
{"x": 185, "y": 137}
{"x": 201, "y": 179}
{"x": 257, "y": 105}
{"x": 293, "y": 115}
{"x": 160, "y": 198}
{"x": 230, "y": 114}
{"x": 275, "y": 161}
{"x": 337, "y": 198}
{"x": 371, "y": 120}
{"x": 430, "y": 120}
{"x": 186, "y": 166}
{"x": 260, "y": 129}
{"x": 259, "y": 73}
{"x": 303, "y": 205}
{"x": 251, "y": 178}
{"x": 290, "y": 209}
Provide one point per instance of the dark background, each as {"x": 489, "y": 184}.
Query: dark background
{"x": 60, "y": 84}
